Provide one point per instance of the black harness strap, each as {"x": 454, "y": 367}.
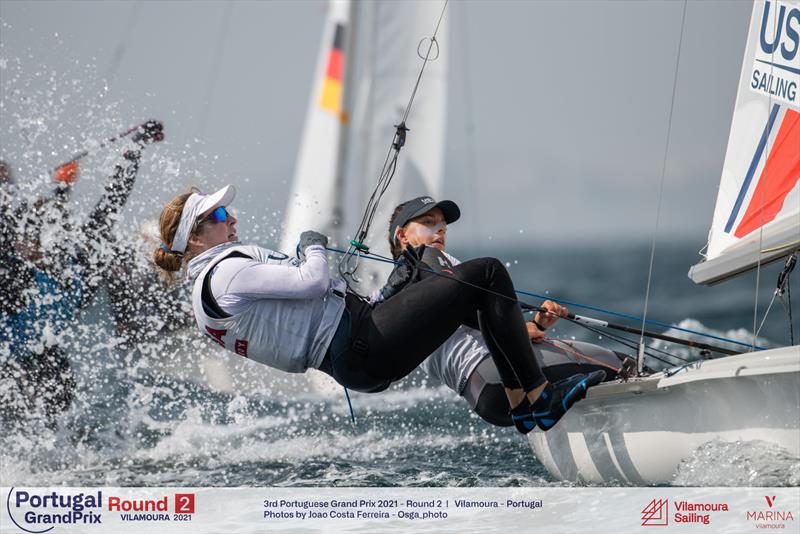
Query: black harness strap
{"x": 210, "y": 306}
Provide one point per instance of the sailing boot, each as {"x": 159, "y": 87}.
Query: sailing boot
{"x": 522, "y": 416}
{"x": 558, "y": 397}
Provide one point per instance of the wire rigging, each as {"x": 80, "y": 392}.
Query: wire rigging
{"x": 581, "y": 320}
{"x": 781, "y": 289}
{"x": 661, "y": 181}
{"x": 348, "y": 264}
{"x": 761, "y": 215}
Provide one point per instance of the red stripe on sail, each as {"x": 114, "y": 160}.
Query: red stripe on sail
{"x": 779, "y": 177}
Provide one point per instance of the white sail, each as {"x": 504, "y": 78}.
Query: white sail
{"x": 757, "y": 215}
{"x": 381, "y": 69}
{"x": 313, "y": 200}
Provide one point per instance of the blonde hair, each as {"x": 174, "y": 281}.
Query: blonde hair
{"x": 171, "y": 262}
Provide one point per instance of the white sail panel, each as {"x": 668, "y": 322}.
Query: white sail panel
{"x": 313, "y": 200}
{"x": 757, "y": 215}
{"x": 387, "y": 64}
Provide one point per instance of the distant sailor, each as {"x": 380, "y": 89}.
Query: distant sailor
{"x": 145, "y": 308}
{"x": 59, "y": 269}
{"x": 463, "y": 362}
{"x": 291, "y": 315}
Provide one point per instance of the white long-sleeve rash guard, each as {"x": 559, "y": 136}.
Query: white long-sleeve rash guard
{"x": 237, "y": 282}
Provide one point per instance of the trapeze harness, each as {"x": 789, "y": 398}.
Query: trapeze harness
{"x": 463, "y": 362}
{"x": 291, "y": 316}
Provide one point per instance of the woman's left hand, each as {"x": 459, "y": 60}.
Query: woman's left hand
{"x": 554, "y": 313}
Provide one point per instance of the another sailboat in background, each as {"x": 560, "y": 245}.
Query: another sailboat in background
{"x": 367, "y": 66}
{"x": 639, "y": 431}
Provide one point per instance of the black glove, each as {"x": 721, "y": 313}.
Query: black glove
{"x": 405, "y": 273}
{"x": 149, "y": 132}
{"x": 307, "y": 239}
{"x": 413, "y": 255}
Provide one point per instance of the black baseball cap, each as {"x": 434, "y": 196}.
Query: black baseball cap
{"x": 420, "y": 206}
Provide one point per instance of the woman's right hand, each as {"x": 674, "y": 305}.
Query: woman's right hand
{"x": 310, "y": 238}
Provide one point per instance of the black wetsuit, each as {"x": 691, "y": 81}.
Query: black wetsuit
{"x": 376, "y": 346}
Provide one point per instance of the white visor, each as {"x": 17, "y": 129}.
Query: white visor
{"x": 196, "y": 205}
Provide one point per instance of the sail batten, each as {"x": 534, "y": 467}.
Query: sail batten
{"x": 757, "y": 215}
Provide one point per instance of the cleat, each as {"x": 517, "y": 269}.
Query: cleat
{"x": 560, "y": 396}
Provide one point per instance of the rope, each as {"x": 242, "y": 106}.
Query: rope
{"x": 631, "y": 344}
{"x": 788, "y": 305}
{"x": 348, "y": 265}
{"x": 377, "y": 257}
{"x": 581, "y": 356}
{"x": 782, "y": 287}
{"x": 634, "y": 318}
{"x": 663, "y": 174}
{"x": 350, "y": 405}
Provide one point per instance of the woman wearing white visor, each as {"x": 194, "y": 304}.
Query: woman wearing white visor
{"x": 290, "y": 314}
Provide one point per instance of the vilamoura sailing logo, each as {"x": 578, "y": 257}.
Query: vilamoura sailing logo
{"x": 656, "y": 513}
{"x": 38, "y": 511}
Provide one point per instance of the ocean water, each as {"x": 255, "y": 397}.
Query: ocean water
{"x": 183, "y": 412}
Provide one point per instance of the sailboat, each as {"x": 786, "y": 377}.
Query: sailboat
{"x": 638, "y": 432}
{"x": 369, "y": 60}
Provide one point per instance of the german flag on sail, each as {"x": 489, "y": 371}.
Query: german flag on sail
{"x": 332, "y": 85}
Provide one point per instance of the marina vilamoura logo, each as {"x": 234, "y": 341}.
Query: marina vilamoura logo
{"x": 39, "y": 511}
{"x": 775, "y": 70}
{"x": 773, "y": 517}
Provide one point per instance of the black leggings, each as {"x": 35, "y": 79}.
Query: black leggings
{"x": 389, "y": 341}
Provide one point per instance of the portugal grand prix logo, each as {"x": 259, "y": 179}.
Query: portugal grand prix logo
{"x": 656, "y": 513}
{"x": 38, "y": 511}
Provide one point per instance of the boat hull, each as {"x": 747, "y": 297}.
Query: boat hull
{"x": 639, "y": 432}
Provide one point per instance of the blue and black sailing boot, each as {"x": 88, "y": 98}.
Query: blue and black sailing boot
{"x": 522, "y": 416}
{"x": 558, "y": 397}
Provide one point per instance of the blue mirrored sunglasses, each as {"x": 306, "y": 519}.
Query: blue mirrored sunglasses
{"x": 217, "y": 216}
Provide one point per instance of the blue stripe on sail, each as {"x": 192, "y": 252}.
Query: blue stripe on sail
{"x": 751, "y": 171}
{"x": 778, "y": 65}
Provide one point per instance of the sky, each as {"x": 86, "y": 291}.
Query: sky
{"x": 558, "y": 111}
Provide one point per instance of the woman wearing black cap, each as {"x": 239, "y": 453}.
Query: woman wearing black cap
{"x": 290, "y": 314}
{"x": 463, "y": 362}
